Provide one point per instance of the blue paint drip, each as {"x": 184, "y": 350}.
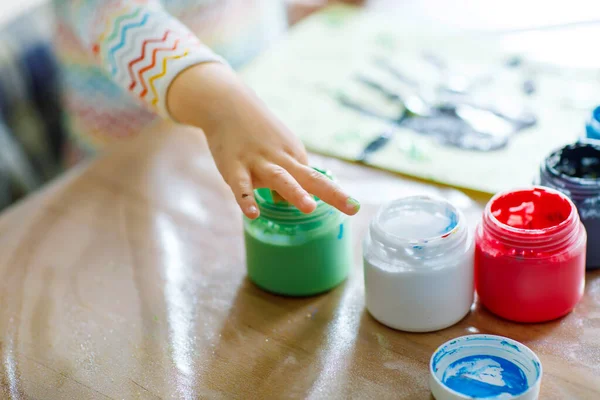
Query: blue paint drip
{"x": 512, "y": 346}
{"x": 341, "y": 234}
{"x": 442, "y": 354}
{"x": 452, "y": 224}
{"x": 485, "y": 376}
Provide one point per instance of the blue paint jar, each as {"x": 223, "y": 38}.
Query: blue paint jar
{"x": 575, "y": 171}
{"x": 484, "y": 367}
{"x": 592, "y": 127}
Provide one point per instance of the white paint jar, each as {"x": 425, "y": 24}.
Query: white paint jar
{"x": 418, "y": 262}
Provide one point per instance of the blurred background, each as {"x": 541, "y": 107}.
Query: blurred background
{"x": 32, "y": 133}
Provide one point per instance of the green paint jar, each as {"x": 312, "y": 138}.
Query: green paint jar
{"x": 296, "y": 254}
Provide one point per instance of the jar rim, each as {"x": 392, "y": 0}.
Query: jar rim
{"x": 289, "y": 214}
{"x": 554, "y": 158}
{"x": 384, "y": 236}
{"x": 531, "y": 234}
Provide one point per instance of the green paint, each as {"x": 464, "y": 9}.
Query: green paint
{"x": 336, "y": 17}
{"x": 347, "y": 136}
{"x": 413, "y": 152}
{"x": 354, "y": 204}
{"x": 386, "y": 40}
{"x": 296, "y": 254}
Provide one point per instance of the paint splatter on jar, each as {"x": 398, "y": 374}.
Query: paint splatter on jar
{"x": 575, "y": 171}
{"x": 296, "y": 254}
{"x": 530, "y": 255}
{"x": 418, "y": 263}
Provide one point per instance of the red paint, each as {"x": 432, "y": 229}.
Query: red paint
{"x": 530, "y": 255}
{"x": 531, "y": 209}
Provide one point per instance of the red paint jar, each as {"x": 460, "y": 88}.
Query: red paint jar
{"x": 530, "y": 255}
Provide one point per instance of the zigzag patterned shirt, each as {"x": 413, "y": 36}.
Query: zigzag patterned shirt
{"x": 120, "y": 56}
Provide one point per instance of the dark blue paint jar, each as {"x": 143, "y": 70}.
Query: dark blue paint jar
{"x": 592, "y": 127}
{"x": 575, "y": 171}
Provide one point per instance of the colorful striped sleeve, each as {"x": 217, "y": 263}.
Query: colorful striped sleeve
{"x": 140, "y": 45}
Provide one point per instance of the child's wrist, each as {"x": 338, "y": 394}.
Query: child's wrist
{"x": 204, "y": 95}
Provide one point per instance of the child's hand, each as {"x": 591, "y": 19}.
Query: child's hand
{"x": 251, "y": 148}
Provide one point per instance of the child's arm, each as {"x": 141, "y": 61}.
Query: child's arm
{"x": 159, "y": 61}
{"x": 138, "y": 44}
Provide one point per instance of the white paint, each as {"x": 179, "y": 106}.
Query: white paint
{"x": 417, "y": 223}
{"x": 423, "y": 283}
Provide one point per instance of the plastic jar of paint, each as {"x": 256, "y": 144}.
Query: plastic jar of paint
{"x": 530, "y": 255}
{"x": 296, "y": 254}
{"x": 575, "y": 171}
{"x": 592, "y": 127}
{"x": 418, "y": 264}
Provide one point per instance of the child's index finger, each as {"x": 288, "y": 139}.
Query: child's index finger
{"x": 321, "y": 184}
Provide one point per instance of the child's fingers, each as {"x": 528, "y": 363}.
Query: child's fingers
{"x": 241, "y": 185}
{"x": 325, "y": 189}
{"x": 278, "y": 179}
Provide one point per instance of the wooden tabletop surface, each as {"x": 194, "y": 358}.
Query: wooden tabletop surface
{"x": 126, "y": 280}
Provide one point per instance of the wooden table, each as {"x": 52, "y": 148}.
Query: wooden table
{"x": 126, "y": 280}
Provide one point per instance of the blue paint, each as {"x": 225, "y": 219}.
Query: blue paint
{"x": 441, "y": 355}
{"x": 485, "y": 376}
{"x": 452, "y": 224}
{"x": 341, "y": 234}
{"x": 593, "y": 125}
{"x": 513, "y": 346}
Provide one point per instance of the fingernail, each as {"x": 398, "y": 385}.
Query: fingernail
{"x": 308, "y": 200}
{"x": 352, "y": 205}
{"x": 252, "y": 210}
